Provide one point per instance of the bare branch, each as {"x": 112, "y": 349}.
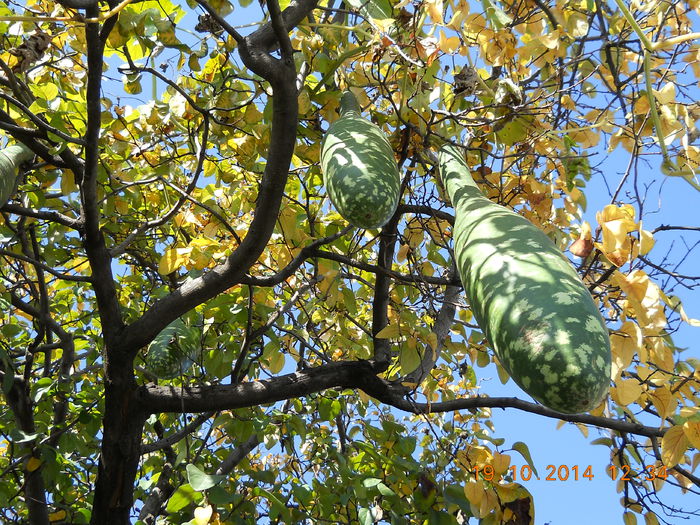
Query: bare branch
{"x": 48, "y": 215}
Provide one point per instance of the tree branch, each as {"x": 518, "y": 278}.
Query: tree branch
{"x": 373, "y": 268}
{"x": 48, "y": 215}
{"x": 46, "y": 268}
{"x": 441, "y": 328}
{"x": 346, "y": 374}
{"x": 281, "y": 75}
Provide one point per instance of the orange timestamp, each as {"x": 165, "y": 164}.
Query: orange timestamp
{"x": 569, "y": 473}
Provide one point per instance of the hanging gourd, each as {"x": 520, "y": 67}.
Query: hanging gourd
{"x": 10, "y": 159}
{"x": 359, "y": 168}
{"x": 536, "y": 312}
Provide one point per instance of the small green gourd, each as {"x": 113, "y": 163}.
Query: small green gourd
{"x": 10, "y": 159}
{"x": 172, "y": 351}
{"x": 536, "y": 312}
{"x": 359, "y": 168}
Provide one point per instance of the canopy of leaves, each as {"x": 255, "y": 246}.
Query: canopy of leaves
{"x": 333, "y": 374}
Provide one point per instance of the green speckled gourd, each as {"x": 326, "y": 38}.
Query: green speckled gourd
{"x": 534, "y": 309}
{"x": 359, "y": 168}
{"x": 172, "y": 351}
{"x": 10, "y": 158}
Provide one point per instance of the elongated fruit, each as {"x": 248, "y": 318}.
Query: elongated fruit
{"x": 359, "y": 169}
{"x": 10, "y": 158}
{"x": 172, "y": 351}
{"x": 535, "y": 311}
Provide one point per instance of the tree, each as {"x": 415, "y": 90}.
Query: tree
{"x": 326, "y": 373}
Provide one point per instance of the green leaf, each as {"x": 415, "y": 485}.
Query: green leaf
{"x": 384, "y": 490}
{"x": 200, "y": 480}
{"x": 277, "y": 506}
{"x": 183, "y": 496}
{"x": 454, "y": 494}
{"x": 439, "y": 517}
{"x": 498, "y": 18}
{"x": 410, "y": 358}
{"x": 365, "y": 516}
{"x": 524, "y": 451}
{"x": 328, "y": 409}
{"x": 19, "y": 436}
{"x": 377, "y": 9}
{"x": 371, "y": 482}
{"x": 40, "y": 388}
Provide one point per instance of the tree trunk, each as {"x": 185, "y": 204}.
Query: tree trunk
{"x": 121, "y": 448}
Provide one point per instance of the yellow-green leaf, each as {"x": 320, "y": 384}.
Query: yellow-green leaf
{"x": 59, "y": 515}
{"x": 33, "y": 464}
{"x": 390, "y": 331}
{"x": 410, "y": 358}
{"x": 629, "y": 518}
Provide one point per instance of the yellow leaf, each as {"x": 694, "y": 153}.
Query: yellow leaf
{"x": 275, "y": 362}
{"x": 202, "y": 515}
{"x": 577, "y": 25}
{"x": 488, "y": 503}
{"x": 390, "y": 331}
{"x": 612, "y": 212}
{"x": 616, "y": 222}
{"x": 432, "y": 340}
{"x": 626, "y": 391}
{"x": 501, "y": 462}
{"x": 629, "y": 518}
{"x": 59, "y": 515}
{"x": 33, "y": 464}
{"x": 304, "y": 102}
{"x": 624, "y": 344}
{"x": 663, "y": 401}
{"x": 675, "y": 303}
{"x": 667, "y": 94}
{"x": 68, "y": 184}
{"x": 211, "y": 229}
{"x": 479, "y": 455}
{"x": 474, "y": 491}
{"x": 692, "y": 432}
{"x": 409, "y": 359}
{"x": 673, "y": 446}
{"x": 646, "y": 241}
{"x": 587, "y": 138}
{"x": 403, "y": 251}
{"x": 645, "y": 298}
{"x": 503, "y": 376}
{"x": 435, "y": 10}
{"x": 651, "y": 519}
{"x": 173, "y": 259}
{"x": 458, "y": 17}
{"x": 448, "y": 45}
{"x": 383, "y": 24}
{"x": 551, "y": 40}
